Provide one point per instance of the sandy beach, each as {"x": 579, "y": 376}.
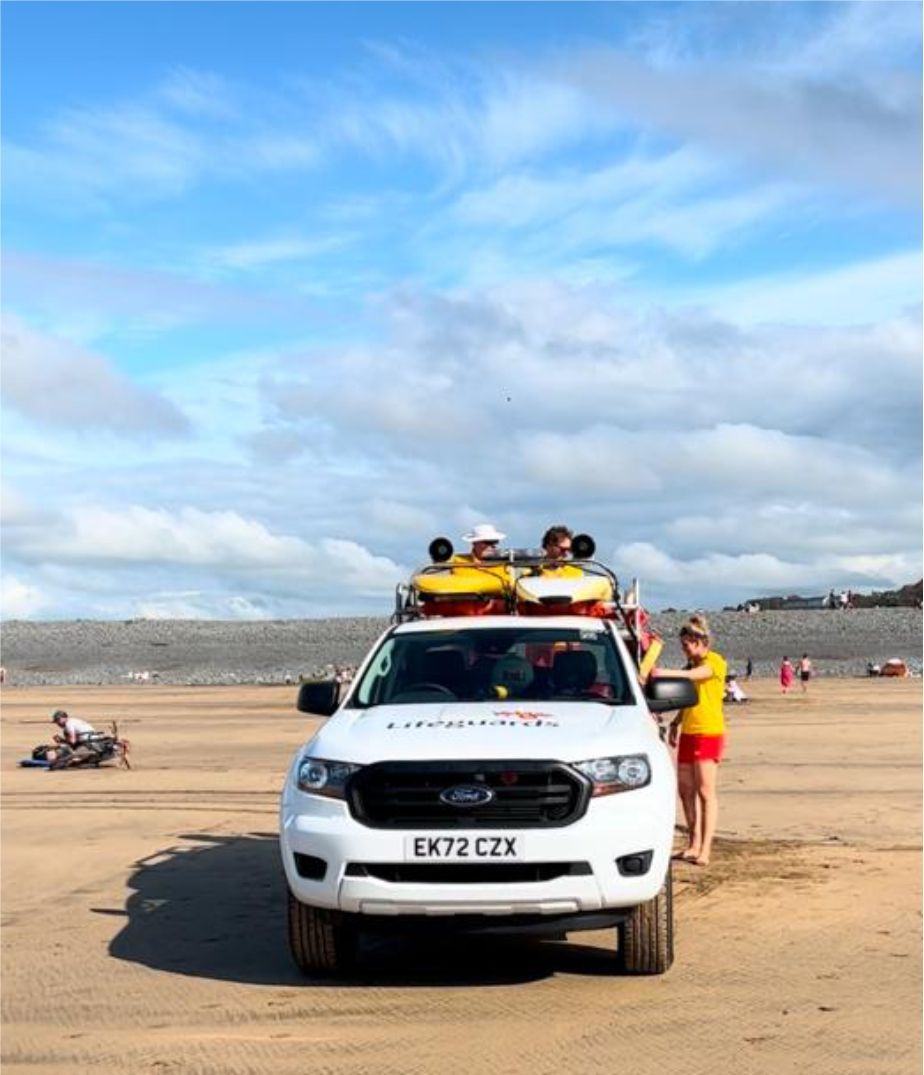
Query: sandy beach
{"x": 144, "y": 929}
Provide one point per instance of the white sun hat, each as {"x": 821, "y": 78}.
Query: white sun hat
{"x": 483, "y": 532}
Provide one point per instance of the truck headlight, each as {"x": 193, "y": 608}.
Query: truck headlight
{"x": 319, "y": 777}
{"x": 622, "y": 773}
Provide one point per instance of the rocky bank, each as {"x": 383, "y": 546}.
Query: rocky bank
{"x": 200, "y": 652}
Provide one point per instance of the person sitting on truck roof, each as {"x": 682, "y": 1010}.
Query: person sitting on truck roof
{"x": 556, "y": 549}
{"x": 556, "y": 543}
{"x": 484, "y": 538}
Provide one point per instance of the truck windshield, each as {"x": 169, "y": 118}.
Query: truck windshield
{"x": 508, "y": 663}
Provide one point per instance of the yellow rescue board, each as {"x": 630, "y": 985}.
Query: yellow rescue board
{"x": 563, "y": 584}
{"x": 459, "y": 581}
{"x": 650, "y": 659}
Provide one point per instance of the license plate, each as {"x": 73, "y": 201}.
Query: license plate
{"x": 463, "y": 848}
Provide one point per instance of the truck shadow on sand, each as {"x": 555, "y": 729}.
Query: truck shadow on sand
{"x": 214, "y": 906}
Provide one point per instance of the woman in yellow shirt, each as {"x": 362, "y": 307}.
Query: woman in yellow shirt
{"x": 701, "y": 733}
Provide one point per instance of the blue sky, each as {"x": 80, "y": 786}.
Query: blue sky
{"x": 290, "y": 288}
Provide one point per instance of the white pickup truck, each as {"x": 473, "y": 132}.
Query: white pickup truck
{"x": 482, "y": 773}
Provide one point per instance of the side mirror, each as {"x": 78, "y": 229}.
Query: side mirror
{"x": 322, "y": 696}
{"x": 670, "y": 692}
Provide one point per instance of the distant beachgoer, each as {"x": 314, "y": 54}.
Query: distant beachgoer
{"x": 805, "y": 671}
{"x": 701, "y": 734}
{"x": 733, "y": 692}
{"x": 749, "y": 670}
{"x": 787, "y": 674}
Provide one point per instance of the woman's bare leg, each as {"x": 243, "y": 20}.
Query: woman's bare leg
{"x": 686, "y": 787}
{"x": 706, "y": 794}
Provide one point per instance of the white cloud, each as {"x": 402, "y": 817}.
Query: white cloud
{"x": 161, "y": 143}
{"x": 277, "y": 153}
{"x": 100, "y": 304}
{"x": 471, "y": 373}
{"x": 736, "y": 578}
{"x": 463, "y": 118}
{"x": 191, "y": 536}
{"x": 16, "y": 509}
{"x": 893, "y": 569}
{"x": 859, "y": 42}
{"x": 524, "y": 116}
{"x": 879, "y": 288}
{"x": 602, "y": 460}
{"x": 53, "y": 383}
{"x": 437, "y": 370}
{"x": 197, "y": 93}
{"x": 778, "y": 463}
{"x": 223, "y": 543}
{"x": 401, "y": 518}
{"x": 678, "y": 199}
{"x": 830, "y": 104}
{"x": 795, "y": 528}
{"x": 262, "y": 252}
{"x": 87, "y": 156}
{"x": 19, "y": 600}
{"x": 857, "y": 133}
{"x": 709, "y": 465}
{"x": 194, "y": 605}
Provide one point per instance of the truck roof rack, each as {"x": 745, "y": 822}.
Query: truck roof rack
{"x": 522, "y": 582}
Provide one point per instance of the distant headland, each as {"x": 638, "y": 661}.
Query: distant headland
{"x": 908, "y": 596}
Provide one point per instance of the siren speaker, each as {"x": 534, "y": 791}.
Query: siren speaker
{"x": 583, "y": 547}
{"x": 440, "y": 550}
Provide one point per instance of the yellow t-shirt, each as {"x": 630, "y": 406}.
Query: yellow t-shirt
{"x": 562, "y": 571}
{"x": 464, "y": 560}
{"x": 706, "y": 717}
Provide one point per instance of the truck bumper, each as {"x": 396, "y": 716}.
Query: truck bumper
{"x": 634, "y": 823}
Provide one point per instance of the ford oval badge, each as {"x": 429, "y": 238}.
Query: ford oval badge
{"x": 467, "y": 795}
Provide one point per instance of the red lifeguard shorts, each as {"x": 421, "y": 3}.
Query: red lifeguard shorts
{"x": 700, "y": 748}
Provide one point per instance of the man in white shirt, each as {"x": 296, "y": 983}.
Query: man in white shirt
{"x": 76, "y": 745}
{"x": 75, "y": 730}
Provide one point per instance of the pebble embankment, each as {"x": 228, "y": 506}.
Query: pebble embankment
{"x": 198, "y": 652}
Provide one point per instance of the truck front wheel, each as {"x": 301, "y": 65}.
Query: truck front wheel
{"x": 321, "y": 941}
{"x": 646, "y": 938}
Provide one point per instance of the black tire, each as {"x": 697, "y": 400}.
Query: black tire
{"x": 646, "y": 938}
{"x": 321, "y": 941}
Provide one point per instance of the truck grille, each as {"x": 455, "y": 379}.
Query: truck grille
{"x": 453, "y": 873}
{"x": 526, "y": 794}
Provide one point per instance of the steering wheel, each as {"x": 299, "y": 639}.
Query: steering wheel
{"x": 433, "y": 688}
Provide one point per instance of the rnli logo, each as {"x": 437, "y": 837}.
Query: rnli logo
{"x": 466, "y": 795}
